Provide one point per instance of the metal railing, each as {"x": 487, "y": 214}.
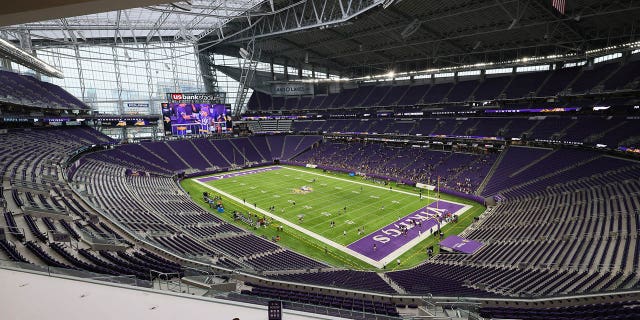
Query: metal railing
{"x": 54, "y": 271}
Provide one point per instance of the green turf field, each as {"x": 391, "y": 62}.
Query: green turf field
{"x": 369, "y": 207}
{"x": 364, "y": 203}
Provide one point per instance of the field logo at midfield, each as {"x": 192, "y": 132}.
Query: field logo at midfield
{"x": 302, "y": 190}
{"x": 390, "y": 238}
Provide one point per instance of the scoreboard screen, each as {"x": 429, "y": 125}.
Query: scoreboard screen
{"x": 196, "y": 118}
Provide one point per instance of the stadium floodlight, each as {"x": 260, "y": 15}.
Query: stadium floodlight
{"x": 244, "y": 53}
{"x": 387, "y": 3}
{"x": 184, "y": 5}
{"x": 17, "y": 55}
{"x": 411, "y": 29}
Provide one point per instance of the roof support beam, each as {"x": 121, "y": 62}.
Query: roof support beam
{"x": 133, "y": 35}
{"x": 485, "y": 32}
{"x": 163, "y": 17}
{"x": 399, "y": 25}
{"x": 296, "y": 17}
{"x": 116, "y": 32}
{"x": 72, "y": 34}
{"x": 559, "y": 17}
{"x": 432, "y": 32}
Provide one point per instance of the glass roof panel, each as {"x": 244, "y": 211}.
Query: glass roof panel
{"x": 147, "y": 22}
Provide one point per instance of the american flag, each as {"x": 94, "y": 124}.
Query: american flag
{"x": 559, "y": 5}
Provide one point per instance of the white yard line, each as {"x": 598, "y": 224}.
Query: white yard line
{"x": 364, "y": 184}
{"x": 379, "y": 264}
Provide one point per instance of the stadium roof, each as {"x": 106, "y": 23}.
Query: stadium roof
{"x": 360, "y": 37}
{"x": 354, "y": 37}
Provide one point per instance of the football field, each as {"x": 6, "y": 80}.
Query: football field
{"x": 372, "y": 222}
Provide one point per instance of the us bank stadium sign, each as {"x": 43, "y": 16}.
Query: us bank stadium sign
{"x": 191, "y": 97}
{"x": 292, "y": 89}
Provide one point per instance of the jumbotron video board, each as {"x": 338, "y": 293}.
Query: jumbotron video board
{"x": 195, "y": 114}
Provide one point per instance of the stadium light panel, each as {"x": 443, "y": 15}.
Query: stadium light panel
{"x": 185, "y": 5}
{"x": 411, "y": 29}
{"x": 244, "y": 53}
{"x": 387, "y": 3}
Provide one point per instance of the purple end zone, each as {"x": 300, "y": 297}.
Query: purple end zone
{"x": 238, "y": 174}
{"x": 390, "y": 238}
{"x": 459, "y": 244}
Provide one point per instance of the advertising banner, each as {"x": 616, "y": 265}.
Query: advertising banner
{"x": 292, "y": 89}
